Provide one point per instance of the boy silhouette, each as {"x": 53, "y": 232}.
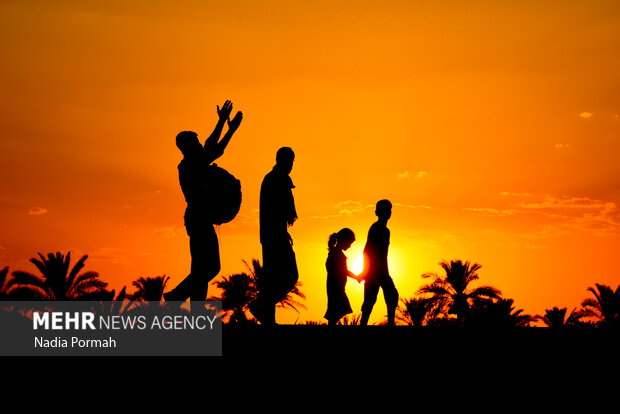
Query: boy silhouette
{"x": 376, "y": 273}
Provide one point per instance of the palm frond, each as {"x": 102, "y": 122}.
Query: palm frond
{"x": 25, "y": 278}
{"x": 84, "y": 283}
{"x": 415, "y": 311}
{"x": 40, "y": 264}
{"x": 435, "y": 290}
{"x": 27, "y": 292}
{"x": 76, "y": 269}
{"x": 87, "y": 285}
{"x": 485, "y": 291}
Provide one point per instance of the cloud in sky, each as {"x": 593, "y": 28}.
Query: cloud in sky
{"x": 348, "y": 204}
{"x": 586, "y": 115}
{"x": 567, "y": 202}
{"x": 492, "y": 211}
{"x": 35, "y": 211}
{"x": 519, "y": 245}
{"x": 405, "y": 175}
{"x": 564, "y": 214}
{"x": 413, "y": 206}
{"x": 510, "y": 193}
{"x": 345, "y": 208}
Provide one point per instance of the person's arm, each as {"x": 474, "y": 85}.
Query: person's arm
{"x": 352, "y": 275}
{"x": 224, "y": 114}
{"x": 232, "y": 128}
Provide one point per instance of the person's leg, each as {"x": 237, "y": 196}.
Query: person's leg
{"x": 260, "y": 307}
{"x": 371, "y": 289}
{"x": 390, "y": 294}
{"x": 284, "y": 277}
{"x": 205, "y": 262}
{"x": 287, "y": 273}
{"x": 183, "y": 290}
{"x": 204, "y": 252}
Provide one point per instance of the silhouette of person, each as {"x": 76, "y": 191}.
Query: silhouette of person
{"x": 337, "y": 272}
{"x": 376, "y": 274}
{"x": 193, "y": 177}
{"x": 277, "y": 213}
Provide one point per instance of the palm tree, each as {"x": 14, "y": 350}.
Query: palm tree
{"x": 149, "y": 289}
{"x": 415, "y": 312}
{"x": 556, "y": 317}
{"x": 111, "y": 305}
{"x": 496, "y": 313}
{"x": 605, "y": 307}
{"x": 450, "y": 294}
{"x": 291, "y": 300}
{"x": 56, "y": 281}
{"x": 237, "y": 292}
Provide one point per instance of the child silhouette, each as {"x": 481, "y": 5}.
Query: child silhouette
{"x": 376, "y": 274}
{"x": 337, "y": 272}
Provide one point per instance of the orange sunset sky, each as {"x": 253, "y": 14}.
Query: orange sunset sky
{"x": 493, "y": 127}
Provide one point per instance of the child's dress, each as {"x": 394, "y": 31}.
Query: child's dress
{"x": 337, "y": 272}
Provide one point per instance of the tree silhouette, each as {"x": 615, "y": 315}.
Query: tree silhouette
{"x": 239, "y": 290}
{"x": 109, "y": 304}
{"x": 56, "y": 281}
{"x": 556, "y": 318}
{"x": 496, "y": 313}
{"x": 450, "y": 294}
{"x": 291, "y": 300}
{"x": 149, "y": 289}
{"x": 416, "y": 311}
{"x": 605, "y": 307}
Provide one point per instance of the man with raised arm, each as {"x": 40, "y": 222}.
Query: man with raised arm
{"x": 193, "y": 177}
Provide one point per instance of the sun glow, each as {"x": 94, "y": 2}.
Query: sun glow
{"x": 358, "y": 264}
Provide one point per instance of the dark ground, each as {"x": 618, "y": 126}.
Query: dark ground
{"x": 417, "y": 343}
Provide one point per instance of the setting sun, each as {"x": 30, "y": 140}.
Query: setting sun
{"x": 358, "y": 264}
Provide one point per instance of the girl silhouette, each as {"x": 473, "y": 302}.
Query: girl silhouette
{"x": 337, "y": 272}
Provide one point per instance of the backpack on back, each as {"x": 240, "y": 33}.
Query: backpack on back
{"x": 224, "y": 193}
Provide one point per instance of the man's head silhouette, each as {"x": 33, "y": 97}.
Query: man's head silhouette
{"x": 284, "y": 159}
{"x": 188, "y": 143}
{"x": 384, "y": 210}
